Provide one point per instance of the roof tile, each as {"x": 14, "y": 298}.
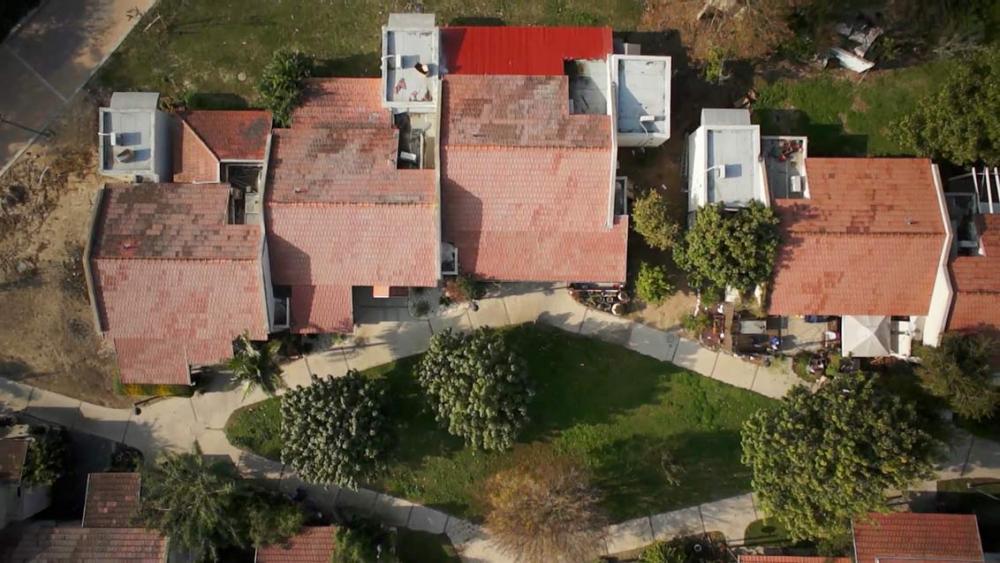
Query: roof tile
{"x": 112, "y": 500}
{"x": 231, "y": 134}
{"x": 910, "y": 536}
{"x": 13, "y": 452}
{"x": 314, "y": 544}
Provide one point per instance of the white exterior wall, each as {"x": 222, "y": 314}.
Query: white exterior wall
{"x": 943, "y": 293}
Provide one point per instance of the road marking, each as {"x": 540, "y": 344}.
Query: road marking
{"x": 37, "y": 75}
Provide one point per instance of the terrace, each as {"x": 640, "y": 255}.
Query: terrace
{"x": 410, "y": 65}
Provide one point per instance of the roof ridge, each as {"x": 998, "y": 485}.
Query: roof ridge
{"x": 353, "y": 203}
{"x": 878, "y": 234}
{"x": 485, "y": 146}
{"x": 198, "y": 136}
{"x": 173, "y": 259}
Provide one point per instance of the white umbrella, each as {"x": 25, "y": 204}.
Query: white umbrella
{"x": 865, "y": 336}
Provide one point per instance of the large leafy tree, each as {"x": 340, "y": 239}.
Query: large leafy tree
{"x": 478, "y": 388}
{"x": 256, "y": 366}
{"x": 959, "y": 121}
{"x": 821, "y": 459}
{"x": 545, "y": 510}
{"x": 335, "y": 431}
{"x": 959, "y": 371}
{"x": 191, "y": 500}
{"x": 651, "y": 219}
{"x": 47, "y": 456}
{"x": 730, "y": 248}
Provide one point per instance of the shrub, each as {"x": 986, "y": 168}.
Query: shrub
{"x": 151, "y": 390}
{"x": 651, "y": 219}
{"x": 821, "y": 459}
{"x": 477, "y": 387}
{"x": 48, "y": 456}
{"x": 959, "y": 121}
{"x": 959, "y": 371}
{"x": 696, "y": 324}
{"x": 280, "y": 86}
{"x": 335, "y": 431}
{"x": 651, "y": 285}
{"x": 267, "y": 517}
{"x": 662, "y": 552}
{"x": 545, "y": 510}
{"x": 730, "y": 248}
{"x": 715, "y": 66}
{"x": 256, "y": 366}
{"x": 362, "y": 541}
{"x": 125, "y": 459}
{"x": 421, "y": 308}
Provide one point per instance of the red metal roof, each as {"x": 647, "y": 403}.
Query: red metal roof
{"x": 909, "y": 536}
{"x": 526, "y": 186}
{"x": 112, "y": 500}
{"x": 175, "y": 283}
{"x": 313, "y": 544}
{"x": 521, "y": 50}
{"x": 977, "y": 282}
{"x": 869, "y": 224}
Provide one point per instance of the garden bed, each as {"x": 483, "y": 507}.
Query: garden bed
{"x": 624, "y": 415}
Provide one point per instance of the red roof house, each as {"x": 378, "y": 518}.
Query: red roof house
{"x": 514, "y": 50}
{"x": 526, "y": 187}
{"x": 868, "y": 241}
{"x": 313, "y": 544}
{"x": 204, "y": 140}
{"x": 173, "y": 282}
{"x": 977, "y": 282}
{"x": 340, "y": 211}
{"x": 904, "y": 536}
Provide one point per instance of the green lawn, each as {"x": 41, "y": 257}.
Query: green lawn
{"x": 844, "y": 117}
{"x": 203, "y": 46}
{"x": 617, "y": 411}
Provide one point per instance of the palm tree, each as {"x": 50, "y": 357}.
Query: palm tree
{"x": 191, "y": 500}
{"x": 257, "y": 366}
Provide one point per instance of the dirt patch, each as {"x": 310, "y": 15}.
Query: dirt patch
{"x": 50, "y": 340}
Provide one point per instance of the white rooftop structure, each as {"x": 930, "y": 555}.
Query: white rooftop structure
{"x": 134, "y": 140}
{"x": 410, "y": 63}
{"x": 724, "y": 162}
{"x": 642, "y": 97}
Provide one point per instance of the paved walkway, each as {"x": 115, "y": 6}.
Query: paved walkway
{"x": 46, "y": 61}
{"x": 386, "y": 333}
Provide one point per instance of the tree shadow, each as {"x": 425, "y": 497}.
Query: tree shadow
{"x": 825, "y": 139}
{"x": 635, "y": 472}
{"x": 473, "y": 21}
{"x": 359, "y": 65}
{"x": 216, "y": 101}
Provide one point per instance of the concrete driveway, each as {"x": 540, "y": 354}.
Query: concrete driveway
{"x": 49, "y": 58}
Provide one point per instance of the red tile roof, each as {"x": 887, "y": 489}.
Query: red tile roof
{"x": 341, "y": 102}
{"x": 232, "y": 134}
{"x": 527, "y": 198}
{"x": 314, "y": 544}
{"x": 193, "y": 161}
{"x": 182, "y": 221}
{"x": 977, "y": 282}
{"x": 791, "y": 559}
{"x": 112, "y": 500}
{"x": 43, "y": 542}
{"x": 175, "y": 284}
{"x": 869, "y": 223}
{"x": 521, "y": 50}
{"x": 13, "y": 452}
{"x": 339, "y": 211}
{"x": 909, "y": 536}
{"x": 523, "y": 111}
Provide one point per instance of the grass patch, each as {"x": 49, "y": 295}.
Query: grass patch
{"x": 150, "y": 390}
{"x": 257, "y": 428}
{"x": 620, "y": 413}
{"x": 843, "y": 117}
{"x": 205, "y": 46}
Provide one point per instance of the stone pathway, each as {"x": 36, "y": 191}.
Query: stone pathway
{"x": 384, "y": 335}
